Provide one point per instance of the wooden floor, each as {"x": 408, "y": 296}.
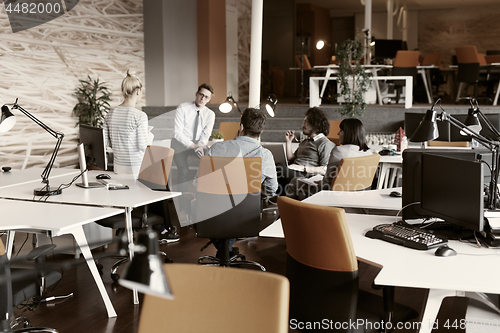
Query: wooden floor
{"x": 85, "y": 311}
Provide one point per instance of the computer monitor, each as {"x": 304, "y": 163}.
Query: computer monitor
{"x": 412, "y": 177}
{"x": 452, "y": 189}
{"x": 387, "y": 48}
{"x": 94, "y": 146}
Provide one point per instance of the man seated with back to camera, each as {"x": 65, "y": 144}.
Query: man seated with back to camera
{"x": 352, "y": 139}
{"x": 311, "y": 157}
{"x": 247, "y": 144}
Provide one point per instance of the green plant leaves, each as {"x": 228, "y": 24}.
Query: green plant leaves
{"x": 93, "y": 102}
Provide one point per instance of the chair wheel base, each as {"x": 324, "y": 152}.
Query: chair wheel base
{"x": 233, "y": 262}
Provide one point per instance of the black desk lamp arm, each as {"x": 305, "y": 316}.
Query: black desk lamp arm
{"x": 58, "y": 135}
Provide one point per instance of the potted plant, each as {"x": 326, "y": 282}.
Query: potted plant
{"x": 353, "y": 80}
{"x": 93, "y": 102}
{"x": 216, "y": 136}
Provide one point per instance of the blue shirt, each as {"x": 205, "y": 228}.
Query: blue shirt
{"x": 244, "y": 146}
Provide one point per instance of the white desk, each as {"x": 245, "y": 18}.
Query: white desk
{"x": 57, "y": 220}
{"x": 473, "y": 270}
{"x": 137, "y": 195}
{"x": 375, "y": 199}
{"x": 16, "y": 177}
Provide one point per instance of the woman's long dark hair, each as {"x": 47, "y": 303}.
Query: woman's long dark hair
{"x": 354, "y": 133}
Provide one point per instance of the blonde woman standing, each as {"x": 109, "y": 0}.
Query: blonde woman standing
{"x": 127, "y": 130}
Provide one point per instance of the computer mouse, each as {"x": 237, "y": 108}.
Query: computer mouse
{"x": 445, "y": 251}
{"x": 395, "y": 194}
{"x": 6, "y": 169}
{"x": 103, "y": 176}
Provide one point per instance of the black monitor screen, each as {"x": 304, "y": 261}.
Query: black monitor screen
{"x": 387, "y": 48}
{"x": 452, "y": 189}
{"x": 93, "y": 143}
{"x": 412, "y": 177}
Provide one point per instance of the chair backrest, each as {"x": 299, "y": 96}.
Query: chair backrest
{"x": 155, "y": 167}
{"x": 334, "y": 131}
{"x": 355, "y": 173}
{"x": 493, "y": 58}
{"x": 468, "y": 54}
{"x": 229, "y": 130}
{"x": 228, "y": 197}
{"x": 215, "y": 299}
{"x": 321, "y": 264}
{"x": 432, "y": 59}
{"x": 406, "y": 59}
{"x": 448, "y": 143}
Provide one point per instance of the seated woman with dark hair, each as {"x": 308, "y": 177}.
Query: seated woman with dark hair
{"x": 352, "y": 137}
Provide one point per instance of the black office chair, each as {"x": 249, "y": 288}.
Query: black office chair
{"x": 228, "y": 205}
{"x": 154, "y": 172}
{"x": 18, "y": 285}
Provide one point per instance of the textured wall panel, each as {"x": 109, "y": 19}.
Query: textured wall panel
{"x": 41, "y": 66}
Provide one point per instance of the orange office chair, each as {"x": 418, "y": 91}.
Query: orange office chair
{"x": 405, "y": 64}
{"x": 323, "y": 270}
{"x": 333, "y": 135}
{"x": 469, "y": 66}
{"x": 355, "y": 173}
{"x": 216, "y": 299}
{"x": 229, "y": 130}
{"x": 228, "y": 204}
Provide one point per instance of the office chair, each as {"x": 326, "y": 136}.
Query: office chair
{"x": 435, "y": 74}
{"x": 469, "y": 66}
{"x": 153, "y": 173}
{"x": 323, "y": 271}
{"x": 355, "y": 173}
{"x": 405, "y": 64}
{"x": 228, "y": 204}
{"x": 214, "y": 299}
{"x": 21, "y": 285}
{"x": 229, "y": 130}
{"x": 333, "y": 135}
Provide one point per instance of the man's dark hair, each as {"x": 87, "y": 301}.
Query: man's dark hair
{"x": 206, "y": 86}
{"x": 253, "y": 121}
{"x": 318, "y": 120}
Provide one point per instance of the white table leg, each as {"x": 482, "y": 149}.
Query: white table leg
{"x": 495, "y": 101}
{"x": 314, "y": 99}
{"x": 382, "y": 175}
{"x": 10, "y": 243}
{"x": 130, "y": 237}
{"x": 329, "y": 72}
{"x": 423, "y": 72}
{"x": 434, "y": 300}
{"x": 81, "y": 240}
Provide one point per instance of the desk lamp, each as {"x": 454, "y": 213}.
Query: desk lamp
{"x": 270, "y": 104}
{"x": 145, "y": 272}
{"x": 428, "y": 130}
{"x": 229, "y": 104}
{"x": 8, "y": 121}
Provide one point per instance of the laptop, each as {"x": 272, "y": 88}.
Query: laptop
{"x": 278, "y": 151}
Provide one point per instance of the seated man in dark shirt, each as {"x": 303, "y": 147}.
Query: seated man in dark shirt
{"x": 311, "y": 157}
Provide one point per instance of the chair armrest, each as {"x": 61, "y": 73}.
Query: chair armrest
{"x": 39, "y": 251}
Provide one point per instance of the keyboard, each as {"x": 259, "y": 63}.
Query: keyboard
{"x": 406, "y": 236}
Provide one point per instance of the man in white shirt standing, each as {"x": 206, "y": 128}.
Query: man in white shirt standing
{"x": 193, "y": 126}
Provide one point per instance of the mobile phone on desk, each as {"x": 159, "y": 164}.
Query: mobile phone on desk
{"x": 117, "y": 187}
